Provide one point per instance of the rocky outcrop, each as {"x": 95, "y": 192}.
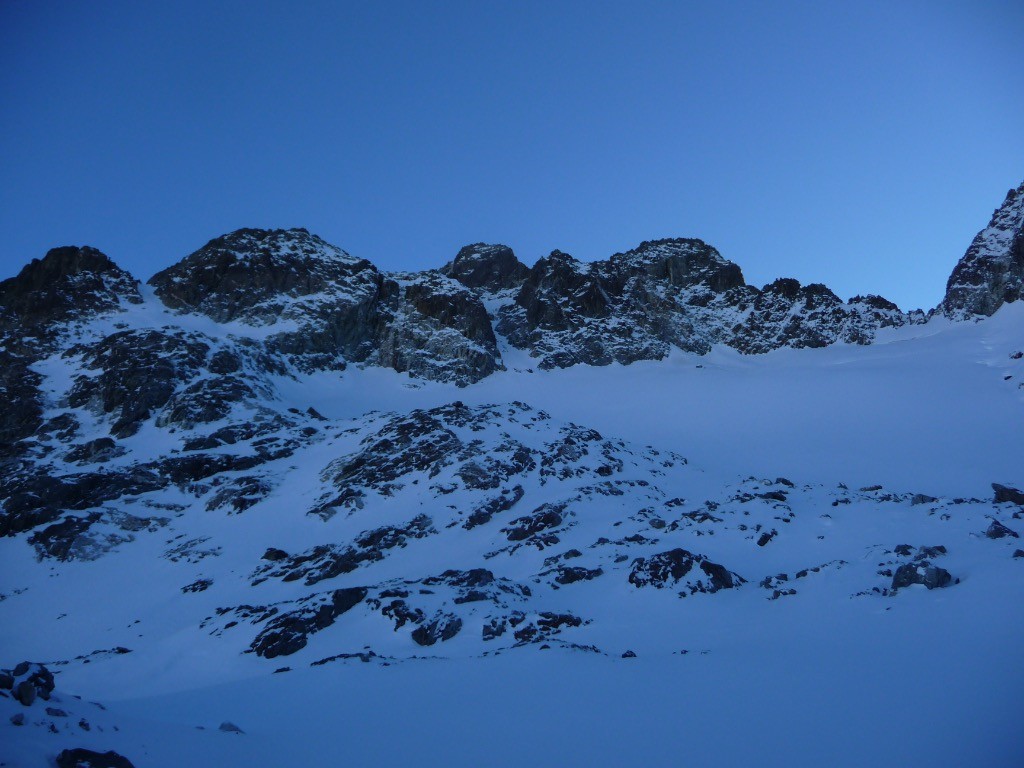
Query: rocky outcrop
{"x": 924, "y": 573}
{"x": 286, "y": 633}
{"x": 435, "y": 328}
{"x": 991, "y": 273}
{"x": 676, "y": 293}
{"x": 323, "y": 309}
{"x": 671, "y": 568}
{"x": 69, "y": 284}
{"x": 489, "y": 268}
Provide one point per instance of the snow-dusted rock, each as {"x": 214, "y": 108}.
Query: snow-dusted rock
{"x": 991, "y": 273}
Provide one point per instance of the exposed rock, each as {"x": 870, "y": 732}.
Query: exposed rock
{"x": 675, "y": 293}
{"x": 572, "y": 574}
{"x": 925, "y": 573}
{"x": 442, "y": 627}
{"x": 489, "y": 268}
{"x": 139, "y": 371}
{"x": 668, "y": 568}
{"x": 545, "y": 517}
{"x": 66, "y": 285}
{"x": 999, "y": 531}
{"x": 33, "y": 500}
{"x": 721, "y": 578}
{"x": 991, "y": 273}
{"x": 287, "y": 633}
{"x": 661, "y": 569}
{"x": 546, "y": 624}
{"x": 87, "y": 758}
{"x": 434, "y": 328}
{"x": 27, "y": 681}
{"x": 96, "y": 451}
{"x": 326, "y": 308}
{"x": 329, "y": 560}
{"x": 25, "y": 692}
{"x": 22, "y": 413}
{"x": 1004, "y": 494}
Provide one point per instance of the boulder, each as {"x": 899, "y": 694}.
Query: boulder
{"x": 925, "y": 573}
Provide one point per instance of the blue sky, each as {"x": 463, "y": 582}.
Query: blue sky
{"x": 857, "y": 144}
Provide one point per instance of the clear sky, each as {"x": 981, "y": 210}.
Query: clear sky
{"x": 857, "y": 144}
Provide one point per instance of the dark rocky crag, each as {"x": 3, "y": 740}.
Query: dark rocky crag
{"x": 678, "y": 293}
{"x": 991, "y": 273}
{"x": 325, "y": 309}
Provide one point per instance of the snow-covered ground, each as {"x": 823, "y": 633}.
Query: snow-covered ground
{"x": 837, "y": 674}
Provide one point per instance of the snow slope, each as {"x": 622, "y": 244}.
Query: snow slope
{"x": 844, "y": 671}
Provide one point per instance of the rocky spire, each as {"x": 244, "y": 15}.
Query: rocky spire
{"x": 991, "y": 273}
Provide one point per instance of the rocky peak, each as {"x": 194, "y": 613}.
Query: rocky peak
{"x": 991, "y": 273}
{"x": 487, "y": 267}
{"x": 67, "y": 284}
{"x": 558, "y": 287}
{"x": 247, "y": 275}
{"x": 682, "y": 262}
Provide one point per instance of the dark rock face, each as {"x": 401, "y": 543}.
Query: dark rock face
{"x": 443, "y": 627}
{"x": 545, "y": 625}
{"x": 330, "y": 560}
{"x": 675, "y": 293}
{"x": 922, "y": 572}
{"x": 250, "y": 274}
{"x": 991, "y": 273}
{"x": 86, "y": 758}
{"x": 662, "y": 569}
{"x": 33, "y": 500}
{"x": 332, "y": 308}
{"x": 22, "y": 413}
{"x": 433, "y": 327}
{"x": 489, "y": 268}
{"x": 1005, "y": 494}
{"x": 669, "y": 568}
{"x": 139, "y": 371}
{"x": 67, "y": 284}
{"x": 287, "y": 633}
{"x": 999, "y": 531}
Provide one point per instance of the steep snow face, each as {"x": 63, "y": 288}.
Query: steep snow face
{"x": 991, "y": 273}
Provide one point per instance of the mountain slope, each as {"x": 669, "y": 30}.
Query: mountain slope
{"x": 279, "y": 489}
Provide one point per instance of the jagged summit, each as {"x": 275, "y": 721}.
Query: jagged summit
{"x": 487, "y": 267}
{"x": 310, "y": 306}
{"x": 248, "y": 274}
{"x": 991, "y": 273}
{"x": 682, "y": 262}
{"x": 67, "y": 284}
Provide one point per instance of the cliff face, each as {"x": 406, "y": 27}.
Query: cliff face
{"x": 991, "y": 273}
